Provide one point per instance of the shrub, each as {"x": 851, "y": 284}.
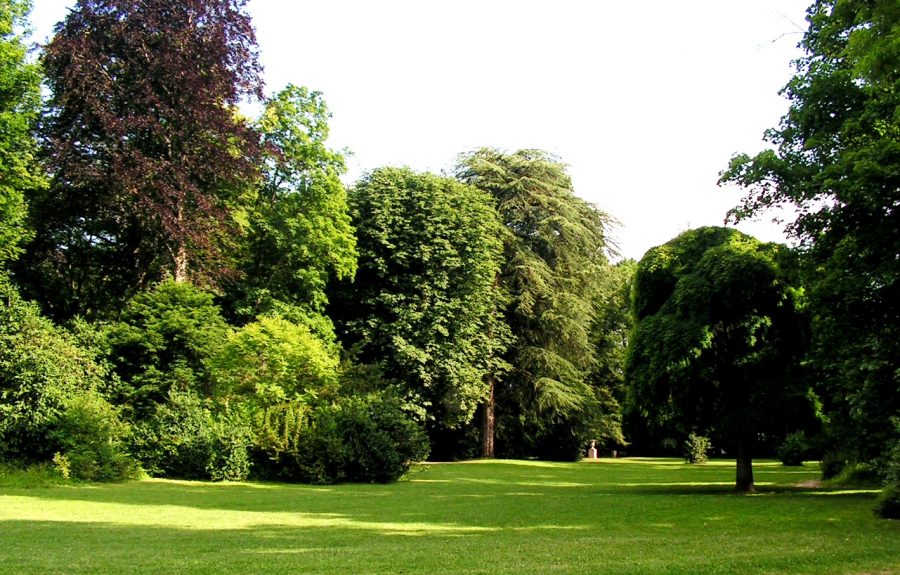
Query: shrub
{"x": 833, "y": 462}
{"x": 858, "y": 474}
{"x": 696, "y": 448}
{"x": 177, "y": 440}
{"x": 794, "y": 449}
{"x": 367, "y": 438}
{"x": 229, "y": 458}
{"x": 42, "y": 368}
{"x": 90, "y": 436}
{"x": 888, "y": 504}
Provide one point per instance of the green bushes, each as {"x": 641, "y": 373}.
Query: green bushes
{"x": 368, "y": 438}
{"x": 90, "y": 436}
{"x": 794, "y": 449}
{"x": 888, "y": 504}
{"x": 696, "y": 449}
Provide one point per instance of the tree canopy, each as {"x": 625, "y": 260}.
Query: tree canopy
{"x": 837, "y": 161}
{"x": 718, "y": 334}
{"x": 554, "y": 254}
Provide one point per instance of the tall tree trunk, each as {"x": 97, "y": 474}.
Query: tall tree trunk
{"x": 488, "y": 422}
{"x": 744, "y": 480}
{"x": 181, "y": 256}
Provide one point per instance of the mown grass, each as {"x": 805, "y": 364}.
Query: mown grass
{"x": 497, "y": 517}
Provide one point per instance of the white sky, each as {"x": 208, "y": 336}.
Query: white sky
{"x": 646, "y": 101}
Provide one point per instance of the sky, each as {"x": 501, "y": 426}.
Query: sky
{"x": 644, "y": 101}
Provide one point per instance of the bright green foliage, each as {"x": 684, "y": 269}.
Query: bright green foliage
{"x": 19, "y": 102}
{"x": 297, "y": 222}
{"x": 554, "y": 259}
{"x": 837, "y": 160}
{"x": 274, "y": 360}
{"x": 91, "y": 437}
{"x": 696, "y": 449}
{"x": 422, "y": 304}
{"x": 42, "y": 370}
{"x": 718, "y": 335}
{"x": 163, "y": 341}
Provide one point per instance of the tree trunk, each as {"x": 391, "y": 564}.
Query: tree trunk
{"x": 488, "y": 422}
{"x": 181, "y": 257}
{"x": 744, "y": 480}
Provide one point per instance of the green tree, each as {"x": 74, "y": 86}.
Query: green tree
{"x": 298, "y": 223}
{"x": 423, "y": 300}
{"x": 19, "y": 103}
{"x": 554, "y": 257}
{"x": 719, "y": 332}
{"x": 144, "y": 147}
{"x": 163, "y": 341}
{"x": 837, "y": 162}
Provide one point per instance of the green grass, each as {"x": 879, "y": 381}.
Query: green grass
{"x": 498, "y": 517}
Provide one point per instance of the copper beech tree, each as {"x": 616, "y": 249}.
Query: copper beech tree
{"x": 144, "y": 146}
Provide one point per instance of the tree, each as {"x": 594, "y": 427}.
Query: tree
{"x": 19, "y": 103}
{"x": 423, "y": 300}
{"x": 554, "y": 256}
{"x": 144, "y": 146}
{"x": 837, "y": 161}
{"x": 298, "y": 223}
{"x": 718, "y": 335}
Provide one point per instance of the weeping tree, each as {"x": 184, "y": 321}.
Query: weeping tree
{"x": 554, "y": 256}
{"x": 144, "y": 147}
{"x": 719, "y": 333}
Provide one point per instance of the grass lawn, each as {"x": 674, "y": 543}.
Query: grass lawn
{"x": 493, "y": 517}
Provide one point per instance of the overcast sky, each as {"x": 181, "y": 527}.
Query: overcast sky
{"x": 645, "y": 101}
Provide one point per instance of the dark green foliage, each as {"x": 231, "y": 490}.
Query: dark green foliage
{"x": 163, "y": 341}
{"x": 888, "y": 504}
{"x": 837, "y": 161}
{"x": 177, "y": 439}
{"x": 422, "y": 305}
{"x": 718, "y": 337}
{"x": 832, "y": 464}
{"x": 366, "y": 438}
{"x": 794, "y": 450}
{"x": 554, "y": 260}
{"x": 696, "y": 449}
{"x": 42, "y": 369}
{"x": 232, "y": 440}
{"x": 91, "y": 437}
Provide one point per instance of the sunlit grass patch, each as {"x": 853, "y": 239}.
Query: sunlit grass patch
{"x": 498, "y": 517}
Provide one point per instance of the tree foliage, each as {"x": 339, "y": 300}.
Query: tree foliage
{"x": 424, "y": 295}
{"x": 718, "y": 336}
{"x": 19, "y": 102}
{"x": 144, "y": 147}
{"x": 837, "y": 161}
{"x": 554, "y": 253}
{"x": 298, "y": 233}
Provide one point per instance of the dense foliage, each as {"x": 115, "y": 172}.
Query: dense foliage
{"x": 554, "y": 258}
{"x": 836, "y": 159}
{"x": 718, "y": 339}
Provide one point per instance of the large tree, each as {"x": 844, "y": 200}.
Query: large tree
{"x": 837, "y": 162}
{"x": 555, "y": 252}
{"x": 717, "y": 340}
{"x": 298, "y": 232}
{"x": 144, "y": 146}
{"x": 423, "y": 302}
{"x": 19, "y": 103}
